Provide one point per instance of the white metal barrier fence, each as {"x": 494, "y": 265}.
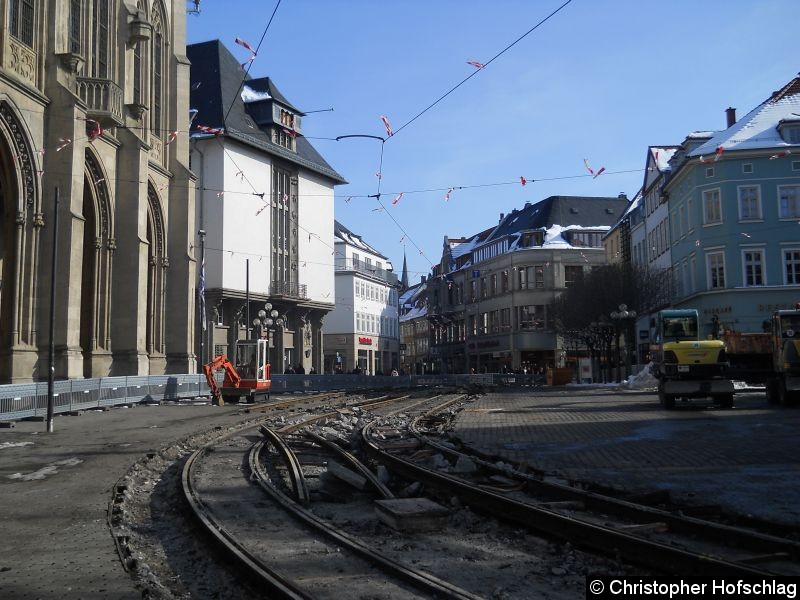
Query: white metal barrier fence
{"x": 21, "y": 401}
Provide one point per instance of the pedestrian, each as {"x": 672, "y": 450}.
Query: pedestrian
{"x": 300, "y": 369}
{"x": 289, "y": 370}
{"x": 312, "y": 371}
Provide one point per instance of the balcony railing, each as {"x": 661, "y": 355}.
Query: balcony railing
{"x": 368, "y": 269}
{"x": 288, "y": 288}
{"x": 103, "y": 99}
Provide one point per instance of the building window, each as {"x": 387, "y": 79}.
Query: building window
{"x": 283, "y": 138}
{"x": 709, "y": 172}
{"x": 749, "y": 202}
{"x": 75, "y": 26}
{"x": 157, "y": 88}
{"x": 22, "y": 17}
{"x": 712, "y": 207}
{"x": 715, "y": 262}
{"x": 747, "y": 168}
{"x": 356, "y": 261}
{"x": 791, "y": 266}
{"x": 572, "y": 275}
{"x": 504, "y": 281}
{"x": 284, "y": 236}
{"x": 789, "y": 201}
{"x": 692, "y": 276}
{"x": 100, "y": 29}
{"x": 538, "y": 273}
{"x": 531, "y": 317}
{"x": 493, "y": 285}
{"x": 753, "y": 267}
{"x": 796, "y": 165}
{"x": 483, "y": 287}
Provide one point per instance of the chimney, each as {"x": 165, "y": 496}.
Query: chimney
{"x": 622, "y": 196}
{"x": 730, "y": 114}
{"x": 422, "y": 279}
{"x": 502, "y": 216}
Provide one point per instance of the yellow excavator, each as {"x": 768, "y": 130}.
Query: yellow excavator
{"x": 686, "y": 366}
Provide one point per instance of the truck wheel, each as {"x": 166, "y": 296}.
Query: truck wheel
{"x": 667, "y": 400}
{"x": 772, "y": 393}
{"x": 724, "y": 400}
{"x": 783, "y": 395}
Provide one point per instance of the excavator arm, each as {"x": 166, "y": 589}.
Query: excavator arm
{"x": 232, "y": 378}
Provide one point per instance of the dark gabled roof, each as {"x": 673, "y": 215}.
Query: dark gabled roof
{"x": 582, "y": 211}
{"x": 216, "y": 78}
{"x": 344, "y": 234}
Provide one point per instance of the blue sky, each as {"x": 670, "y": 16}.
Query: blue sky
{"x": 601, "y": 80}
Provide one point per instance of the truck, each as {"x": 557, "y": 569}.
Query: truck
{"x": 686, "y": 366}
{"x": 783, "y": 381}
{"x": 247, "y": 380}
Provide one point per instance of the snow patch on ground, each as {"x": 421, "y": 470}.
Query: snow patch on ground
{"x": 643, "y": 380}
{"x": 48, "y": 470}
{"x": 5, "y": 445}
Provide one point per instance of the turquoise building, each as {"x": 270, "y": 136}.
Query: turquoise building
{"x": 734, "y": 206}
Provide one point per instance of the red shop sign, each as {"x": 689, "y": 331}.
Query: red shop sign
{"x": 365, "y": 340}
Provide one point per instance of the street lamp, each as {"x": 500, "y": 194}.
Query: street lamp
{"x": 621, "y": 319}
{"x": 267, "y": 321}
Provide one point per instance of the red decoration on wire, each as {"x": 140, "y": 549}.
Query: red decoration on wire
{"x": 476, "y": 64}
{"x": 387, "y": 125}
{"x": 398, "y": 197}
{"x": 244, "y": 44}
{"x": 290, "y": 133}
{"x": 96, "y": 131}
{"x": 173, "y": 135}
{"x": 718, "y": 153}
{"x": 600, "y": 172}
{"x": 522, "y": 180}
{"x": 211, "y": 130}
{"x": 588, "y": 168}
{"x": 780, "y": 154}
{"x": 447, "y": 195}
{"x": 64, "y": 143}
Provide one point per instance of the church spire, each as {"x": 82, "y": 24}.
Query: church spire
{"x": 404, "y": 276}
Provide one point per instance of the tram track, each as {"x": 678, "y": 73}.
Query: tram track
{"x": 226, "y": 505}
{"x": 643, "y": 535}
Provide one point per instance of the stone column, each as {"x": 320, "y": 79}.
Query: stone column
{"x": 129, "y": 286}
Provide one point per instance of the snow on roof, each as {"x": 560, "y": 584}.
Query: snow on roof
{"x": 553, "y": 237}
{"x": 462, "y": 248}
{"x": 662, "y": 155}
{"x": 759, "y": 128}
{"x": 637, "y": 200}
{"x": 414, "y": 313}
{"x": 700, "y": 134}
{"x": 251, "y": 95}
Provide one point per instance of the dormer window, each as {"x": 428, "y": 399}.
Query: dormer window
{"x": 790, "y": 130}
{"x": 532, "y": 238}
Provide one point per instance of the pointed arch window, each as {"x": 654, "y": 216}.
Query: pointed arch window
{"x": 158, "y": 54}
{"x": 75, "y": 17}
{"x": 22, "y": 20}
{"x": 100, "y": 41}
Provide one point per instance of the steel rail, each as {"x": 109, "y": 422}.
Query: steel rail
{"x": 272, "y": 580}
{"x": 354, "y": 463}
{"x": 293, "y": 465}
{"x": 421, "y": 580}
{"x": 684, "y": 524}
{"x": 580, "y": 533}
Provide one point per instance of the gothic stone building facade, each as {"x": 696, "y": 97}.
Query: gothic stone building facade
{"x": 90, "y": 93}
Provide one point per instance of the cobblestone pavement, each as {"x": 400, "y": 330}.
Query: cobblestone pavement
{"x": 745, "y": 459}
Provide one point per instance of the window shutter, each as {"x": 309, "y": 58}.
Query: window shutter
{"x": 276, "y": 113}
{"x": 297, "y": 121}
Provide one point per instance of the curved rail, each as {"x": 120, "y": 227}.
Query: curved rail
{"x": 421, "y": 580}
{"x": 638, "y": 550}
{"x": 292, "y": 464}
{"x": 270, "y": 579}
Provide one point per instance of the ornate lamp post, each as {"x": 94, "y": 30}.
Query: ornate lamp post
{"x": 267, "y": 322}
{"x": 621, "y": 319}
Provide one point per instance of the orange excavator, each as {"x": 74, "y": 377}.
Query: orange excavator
{"x": 247, "y": 380}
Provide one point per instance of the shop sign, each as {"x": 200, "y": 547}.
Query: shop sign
{"x": 365, "y": 340}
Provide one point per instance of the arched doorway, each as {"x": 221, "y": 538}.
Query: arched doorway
{"x": 157, "y": 263}
{"x": 98, "y": 247}
{"x": 21, "y": 222}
